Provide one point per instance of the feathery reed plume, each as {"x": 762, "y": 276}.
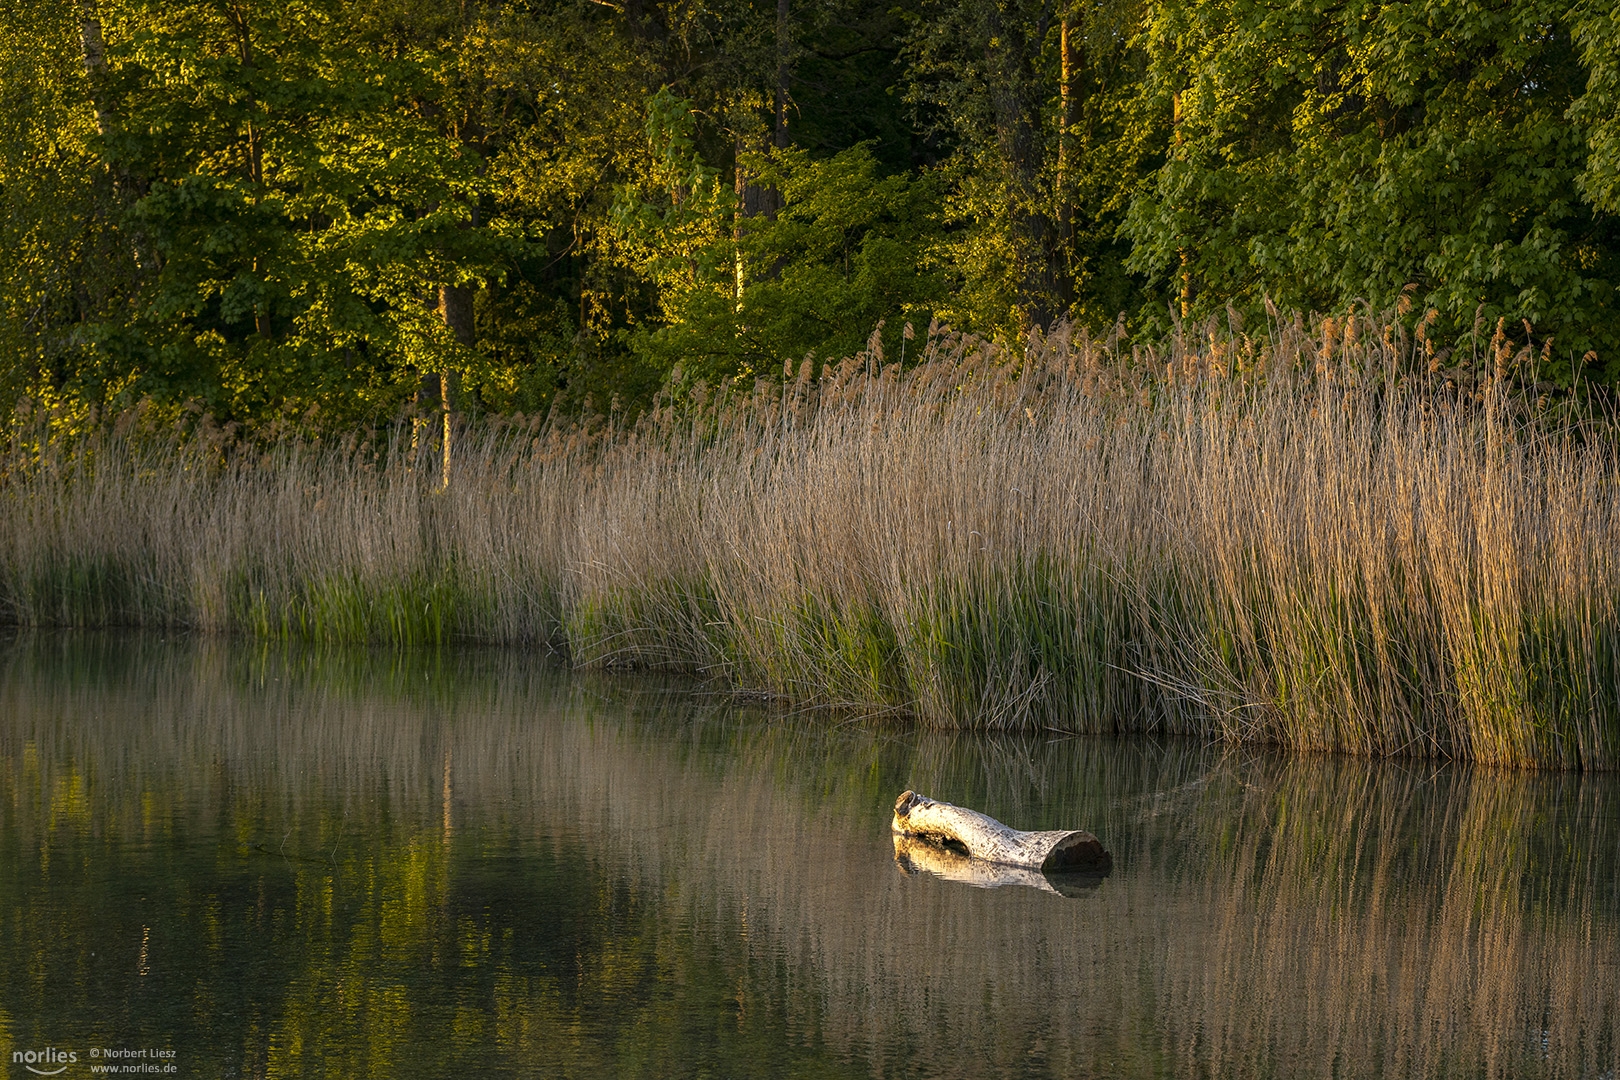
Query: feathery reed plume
{"x": 1301, "y": 539}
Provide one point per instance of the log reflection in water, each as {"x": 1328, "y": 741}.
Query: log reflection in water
{"x": 1266, "y": 915}
{"x": 916, "y": 856}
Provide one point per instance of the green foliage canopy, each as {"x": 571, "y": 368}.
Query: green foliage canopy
{"x": 303, "y": 207}
{"x": 738, "y": 296}
{"x": 1327, "y": 153}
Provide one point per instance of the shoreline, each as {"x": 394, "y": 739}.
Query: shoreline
{"x": 1295, "y": 540}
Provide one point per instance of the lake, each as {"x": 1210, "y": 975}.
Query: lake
{"x": 227, "y": 860}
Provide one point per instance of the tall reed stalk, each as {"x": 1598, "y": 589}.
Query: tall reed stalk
{"x": 1291, "y": 539}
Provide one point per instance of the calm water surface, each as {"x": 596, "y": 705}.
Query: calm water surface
{"x": 249, "y": 862}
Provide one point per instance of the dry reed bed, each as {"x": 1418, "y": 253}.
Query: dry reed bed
{"x": 1289, "y": 539}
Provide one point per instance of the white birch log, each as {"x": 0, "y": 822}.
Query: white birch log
{"x": 982, "y": 837}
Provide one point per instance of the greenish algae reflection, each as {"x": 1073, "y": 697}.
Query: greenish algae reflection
{"x": 469, "y": 863}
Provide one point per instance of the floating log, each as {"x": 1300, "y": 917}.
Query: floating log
{"x": 978, "y": 836}
{"x": 914, "y": 856}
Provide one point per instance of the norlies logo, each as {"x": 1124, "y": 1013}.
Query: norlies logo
{"x": 47, "y": 1057}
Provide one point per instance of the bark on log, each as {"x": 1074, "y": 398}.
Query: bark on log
{"x": 914, "y": 855}
{"x": 978, "y": 836}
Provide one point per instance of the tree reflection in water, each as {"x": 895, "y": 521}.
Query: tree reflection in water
{"x": 397, "y": 865}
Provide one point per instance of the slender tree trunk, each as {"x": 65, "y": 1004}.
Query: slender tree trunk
{"x": 456, "y": 309}
{"x": 1070, "y": 74}
{"x": 783, "y": 41}
{"x": 252, "y": 133}
{"x": 449, "y": 385}
{"x": 95, "y": 63}
{"x": 745, "y": 195}
{"x": 1189, "y": 288}
{"x": 435, "y": 407}
{"x": 255, "y": 153}
{"x": 1067, "y": 99}
{"x": 261, "y": 318}
{"x": 125, "y": 187}
{"x": 455, "y": 305}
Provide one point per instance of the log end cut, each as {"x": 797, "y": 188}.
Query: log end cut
{"x": 1079, "y": 852}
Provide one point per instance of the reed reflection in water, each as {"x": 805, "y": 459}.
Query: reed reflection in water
{"x": 395, "y": 865}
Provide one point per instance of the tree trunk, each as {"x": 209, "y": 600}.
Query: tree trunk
{"x": 980, "y": 837}
{"x": 782, "y": 41}
{"x": 448, "y": 385}
{"x": 125, "y": 187}
{"x": 456, "y": 309}
{"x": 255, "y": 151}
{"x": 753, "y": 200}
{"x": 1010, "y": 79}
{"x": 1067, "y": 100}
{"x": 435, "y": 398}
{"x": 1189, "y": 287}
{"x": 95, "y": 62}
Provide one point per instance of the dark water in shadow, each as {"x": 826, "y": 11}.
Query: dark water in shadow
{"x": 471, "y": 864}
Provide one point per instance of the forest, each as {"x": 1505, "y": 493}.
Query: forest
{"x": 317, "y": 212}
